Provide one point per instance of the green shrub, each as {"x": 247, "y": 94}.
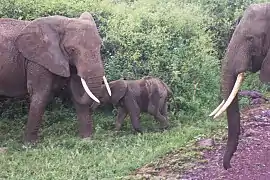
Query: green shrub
{"x": 173, "y": 46}
{"x": 180, "y": 42}
{"x": 224, "y": 15}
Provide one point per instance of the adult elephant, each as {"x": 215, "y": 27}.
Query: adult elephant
{"x": 39, "y": 57}
{"x": 248, "y": 50}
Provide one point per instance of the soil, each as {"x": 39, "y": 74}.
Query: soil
{"x": 251, "y": 161}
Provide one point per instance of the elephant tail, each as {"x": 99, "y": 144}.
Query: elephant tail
{"x": 169, "y": 91}
{"x": 169, "y": 94}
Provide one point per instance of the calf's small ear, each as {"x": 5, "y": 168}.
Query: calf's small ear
{"x": 119, "y": 89}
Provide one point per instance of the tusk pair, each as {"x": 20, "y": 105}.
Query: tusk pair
{"x": 87, "y": 90}
{"x": 224, "y": 105}
{"x": 107, "y": 85}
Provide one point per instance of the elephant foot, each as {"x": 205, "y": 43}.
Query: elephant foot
{"x": 86, "y": 134}
{"x": 227, "y": 160}
{"x": 31, "y": 139}
{"x": 117, "y": 127}
{"x": 164, "y": 126}
{"x": 29, "y": 145}
{"x": 226, "y": 165}
{"x": 86, "y": 139}
{"x": 138, "y": 130}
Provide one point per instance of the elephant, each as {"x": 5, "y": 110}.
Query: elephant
{"x": 248, "y": 50}
{"x": 148, "y": 94}
{"x": 47, "y": 54}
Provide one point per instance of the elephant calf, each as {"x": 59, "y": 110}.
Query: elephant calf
{"x": 148, "y": 94}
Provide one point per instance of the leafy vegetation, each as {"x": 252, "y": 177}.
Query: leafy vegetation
{"x": 182, "y": 42}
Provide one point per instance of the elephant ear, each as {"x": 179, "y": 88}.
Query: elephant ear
{"x": 265, "y": 69}
{"x": 87, "y": 16}
{"x": 119, "y": 89}
{"x": 40, "y": 42}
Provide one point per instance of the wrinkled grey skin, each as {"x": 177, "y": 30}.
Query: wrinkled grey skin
{"x": 248, "y": 50}
{"x": 148, "y": 94}
{"x": 40, "y": 57}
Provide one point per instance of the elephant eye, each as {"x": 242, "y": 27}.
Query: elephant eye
{"x": 71, "y": 50}
{"x": 250, "y": 38}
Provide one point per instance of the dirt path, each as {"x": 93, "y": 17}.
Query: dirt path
{"x": 252, "y": 158}
{"x": 250, "y": 162}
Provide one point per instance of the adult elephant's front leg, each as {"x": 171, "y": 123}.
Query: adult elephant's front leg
{"x": 84, "y": 115}
{"x": 82, "y": 104}
{"x": 39, "y": 85}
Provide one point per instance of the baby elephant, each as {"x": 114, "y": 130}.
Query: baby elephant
{"x": 148, "y": 94}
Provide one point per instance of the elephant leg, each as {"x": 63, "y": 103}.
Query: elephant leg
{"x": 39, "y": 101}
{"x": 164, "y": 110}
{"x": 84, "y": 116}
{"x": 162, "y": 119}
{"x": 159, "y": 115}
{"x": 159, "y": 110}
{"x": 39, "y": 85}
{"x": 135, "y": 120}
{"x": 121, "y": 115}
{"x": 134, "y": 112}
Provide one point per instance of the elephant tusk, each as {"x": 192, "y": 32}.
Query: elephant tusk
{"x": 107, "y": 85}
{"x": 87, "y": 90}
{"x": 235, "y": 90}
{"x": 218, "y": 108}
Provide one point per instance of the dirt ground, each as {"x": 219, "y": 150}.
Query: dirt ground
{"x": 250, "y": 162}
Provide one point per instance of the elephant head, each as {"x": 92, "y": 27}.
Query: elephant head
{"x": 118, "y": 89}
{"x": 248, "y": 50}
{"x": 59, "y": 43}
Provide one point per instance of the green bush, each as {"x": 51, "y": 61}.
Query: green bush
{"x": 180, "y": 42}
{"x": 224, "y": 15}
{"x": 173, "y": 46}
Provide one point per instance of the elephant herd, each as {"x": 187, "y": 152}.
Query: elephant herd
{"x": 40, "y": 57}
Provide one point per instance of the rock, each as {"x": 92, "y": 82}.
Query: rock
{"x": 249, "y": 132}
{"x": 254, "y": 96}
{"x": 205, "y": 143}
{"x": 251, "y": 94}
{"x": 257, "y": 101}
{"x": 3, "y": 150}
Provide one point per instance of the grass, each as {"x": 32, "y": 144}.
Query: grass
{"x": 61, "y": 154}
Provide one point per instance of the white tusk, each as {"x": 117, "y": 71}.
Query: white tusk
{"x": 235, "y": 90}
{"x": 216, "y": 110}
{"x": 107, "y": 85}
{"x": 87, "y": 90}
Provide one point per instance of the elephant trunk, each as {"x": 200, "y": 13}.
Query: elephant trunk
{"x": 230, "y": 86}
{"x": 95, "y": 85}
{"x": 233, "y": 68}
{"x": 233, "y": 118}
{"x": 91, "y": 81}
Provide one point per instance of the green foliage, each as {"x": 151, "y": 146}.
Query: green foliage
{"x": 180, "y": 42}
{"x": 151, "y": 41}
{"x": 142, "y": 38}
{"x": 224, "y": 15}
